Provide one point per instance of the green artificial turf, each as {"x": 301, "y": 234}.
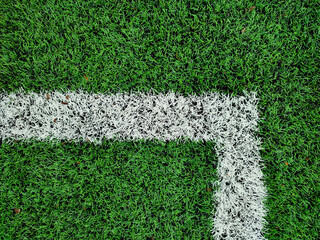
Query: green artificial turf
{"x": 119, "y": 189}
{"x": 186, "y": 46}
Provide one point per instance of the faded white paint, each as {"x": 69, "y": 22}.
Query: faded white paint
{"x": 229, "y": 122}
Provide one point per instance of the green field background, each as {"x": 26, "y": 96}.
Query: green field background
{"x": 127, "y": 190}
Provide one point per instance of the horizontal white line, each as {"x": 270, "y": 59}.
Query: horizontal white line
{"x": 139, "y": 116}
{"x": 230, "y": 122}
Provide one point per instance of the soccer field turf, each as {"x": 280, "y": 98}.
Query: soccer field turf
{"x": 86, "y": 187}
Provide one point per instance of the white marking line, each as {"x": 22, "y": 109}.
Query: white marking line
{"x": 229, "y": 122}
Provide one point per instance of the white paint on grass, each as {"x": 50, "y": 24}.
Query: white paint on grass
{"x": 229, "y": 122}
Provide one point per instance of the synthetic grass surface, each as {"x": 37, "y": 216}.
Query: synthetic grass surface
{"x": 188, "y": 47}
{"x": 132, "y": 189}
